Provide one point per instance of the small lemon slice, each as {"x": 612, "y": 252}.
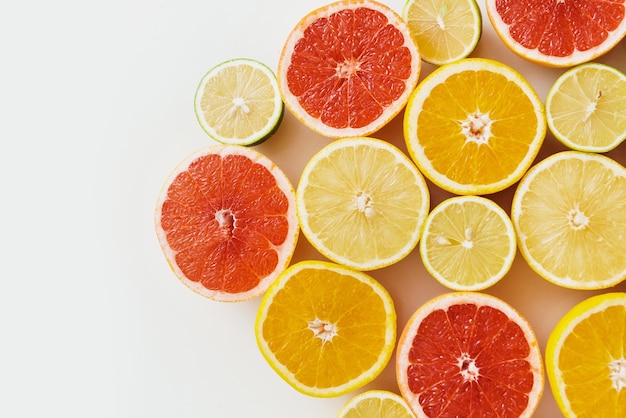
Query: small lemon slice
{"x": 238, "y": 102}
{"x": 376, "y": 404}
{"x": 468, "y": 243}
{"x": 586, "y": 108}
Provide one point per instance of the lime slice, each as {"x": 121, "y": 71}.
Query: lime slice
{"x": 586, "y": 108}
{"x": 238, "y": 102}
{"x": 444, "y": 30}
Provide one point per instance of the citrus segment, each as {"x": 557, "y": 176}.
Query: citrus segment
{"x": 468, "y": 354}
{"x": 558, "y": 33}
{"x": 474, "y": 126}
{"x": 226, "y": 221}
{"x": 326, "y": 329}
{"x": 346, "y": 69}
{"x": 362, "y": 203}
{"x": 443, "y": 30}
{"x": 376, "y": 404}
{"x": 586, "y": 358}
{"x": 238, "y": 102}
{"x": 569, "y": 213}
{"x": 468, "y": 243}
{"x": 586, "y": 108}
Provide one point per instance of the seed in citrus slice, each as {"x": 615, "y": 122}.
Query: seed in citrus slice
{"x": 468, "y": 243}
{"x": 569, "y": 214}
{"x": 238, "y": 102}
{"x": 444, "y": 30}
{"x": 226, "y": 221}
{"x": 469, "y": 354}
{"x": 558, "y": 33}
{"x": 586, "y": 108}
{"x": 376, "y": 404}
{"x": 326, "y": 329}
{"x": 362, "y": 203}
{"x": 474, "y": 126}
{"x": 586, "y": 358}
{"x": 348, "y": 68}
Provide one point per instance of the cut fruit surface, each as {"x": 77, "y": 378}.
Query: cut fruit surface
{"x": 558, "y": 33}
{"x": 238, "y": 102}
{"x": 569, "y": 213}
{"x": 469, "y": 354}
{"x": 444, "y": 30}
{"x": 468, "y": 243}
{"x": 326, "y": 329}
{"x": 586, "y": 108}
{"x": 376, "y": 404}
{"x": 226, "y": 221}
{"x": 362, "y": 203}
{"x": 474, "y": 126}
{"x": 586, "y": 358}
{"x": 348, "y": 68}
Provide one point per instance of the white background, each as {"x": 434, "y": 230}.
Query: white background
{"x": 96, "y": 101}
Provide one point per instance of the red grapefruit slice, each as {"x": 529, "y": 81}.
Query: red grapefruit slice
{"x": 348, "y": 68}
{"x": 560, "y": 33}
{"x": 469, "y": 354}
{"x": 226, "y": 221}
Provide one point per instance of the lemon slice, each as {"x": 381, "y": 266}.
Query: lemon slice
{"x": 444, "y": 30}
{"x": 362, "y": 203}
{"x": 569, "y": 213}
{"x": 376, "y": 404}
{"x": 238, "y": 102}
{"x": 468, "y": 243}
{"x": 586, "y": 358}
{"x": 474, "y": 126}
{"x": 326, "y": 329}
{"x": 586, "y": 108}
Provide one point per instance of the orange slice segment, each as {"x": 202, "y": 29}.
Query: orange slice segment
{"x": 348, "y": 68}
{"x": 226, "y": 221}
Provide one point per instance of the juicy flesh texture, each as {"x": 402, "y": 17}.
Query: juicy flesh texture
{"x": 470, "y": 361}
{"x": 559, "y": 28}
{"x": 348, "y": 67}
{"x": 223, "y": 219}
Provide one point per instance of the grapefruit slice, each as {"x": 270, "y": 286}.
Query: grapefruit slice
{"x": 226, "y": 221}
{"x": 347, "y": 68}
{"x": 469, "y": 354}
{"x": 560, "y": 33}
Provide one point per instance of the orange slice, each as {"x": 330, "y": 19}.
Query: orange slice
{"x": 586, "y": 358}
{"x": 326, "y": 329}
{"x": 348, "y": 68}
{"x": 469, "y": 354}
{"x": 558, "y": 33}
{"x": 226, "y": 221}
{"x": 474, "y": 126}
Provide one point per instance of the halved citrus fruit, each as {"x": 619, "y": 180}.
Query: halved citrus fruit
{"x": 347, "y": 68}
{"x": 469, "y": 354}
{"x": 468, "y": 243}
{"x": 362, "y": 203}
{"x": 226, "y": 221}
{"x": 376, "y": 404}
{"x": 558, "y": 33}
{"x": 569, "y": 213}
{"x": 238, "y": 102}
{"x": 586, "y": 358}
{"x": 444, "y": 30}
{"x": 326, "y": 329}
{"x": 474, "y": 126}
{"x": 586, "y": 107}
